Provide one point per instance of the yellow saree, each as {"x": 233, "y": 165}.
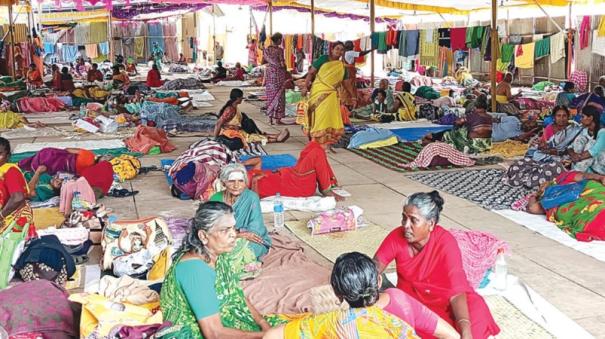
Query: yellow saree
{"x": 325, "y": 119}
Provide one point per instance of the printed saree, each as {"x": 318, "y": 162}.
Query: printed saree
{"x": 234, "y": 311}
{"x": 559, "y": 141}
{"x": 22, "y": 212}
{"x": 407, "y": 110}
{"x": 275, "y": 82}
{"x": 460, "y": 140}
{"x": 370, "y": 322}
{"x": 583, "y": 219}
{"x": 325, "y": 120}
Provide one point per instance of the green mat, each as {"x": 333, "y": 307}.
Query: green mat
{"x": 114, "y": 152}
{"x": 391, "y": 156}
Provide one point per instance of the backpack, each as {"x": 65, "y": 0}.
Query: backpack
{"x": 125, "y": 166}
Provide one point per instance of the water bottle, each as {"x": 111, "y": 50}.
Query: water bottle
{"x": 278, "y": 212}
{"x": 76, "y": 203}
{"x": 82, "y": 111}
{"x": 501, "y": 271}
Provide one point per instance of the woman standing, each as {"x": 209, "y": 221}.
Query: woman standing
{"x": 37, "y": 52}
{"x": 275, "y": 79}
{"x": 325, "y": 124}
{"x": 252, "y": 53}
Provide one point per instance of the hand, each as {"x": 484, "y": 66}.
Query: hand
{"x": 41, "y": 169}
{"x": 251, "y": 237}
{"x": 264, "y": 325}
{"x": 303, "y": 91}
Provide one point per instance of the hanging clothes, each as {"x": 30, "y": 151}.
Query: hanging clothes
{"x": 506, "y": 52}
{"x": 542, "y": 48}
{"x": 444, "y": 37}
{"x": 69, "y": 53}
{"x": 584, "y": 32}
{"x": 486, "y": 47}
{"x": 288, "y": 51}
{"x": 601, "y": 28}
{"x": 375, "y": 40}
{"x": 402, "y": 35}
{"x": 474, "y": 36}
{"x": 382, "y": 43}
{"x": 411, "y": 43}
{"x": 524, "y": 55}
{"x": 91, "y": 51}
{"x": 598, "y": 43}
{"x": 458, "y": 38}
{"x": 557, "y": 47}
{"x": 139, "y": 47}
{"x": 429, "y": 47}
{"x": 391, "y": 37}
{"x": 104, "y": 48}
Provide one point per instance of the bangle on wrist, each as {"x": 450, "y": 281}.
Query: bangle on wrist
{"x": 463, "y": 320}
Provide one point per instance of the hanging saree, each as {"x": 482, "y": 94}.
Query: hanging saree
{"x": 407, "y": 109}
{"x": 12, "y": 181}
{"x": 234, "y": 311}
{"x": 325, "y": 120}
{"x": 583, "y": 219}
{"x": 275, "y": 82}
{"x": 370, "y": 322}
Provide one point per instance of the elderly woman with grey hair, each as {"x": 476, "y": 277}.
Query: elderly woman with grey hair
{"x": 429, "y": 268}
{"x": 201, "y": 296}
{"x": 246, "y": 204}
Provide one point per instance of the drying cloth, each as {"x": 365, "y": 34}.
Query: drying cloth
{"x": 598, "y": 44}
{"x": 98, "y": 32}
{"x": 428, "y": 36}
{"x": 402, "y": 36}
{"x": 428, "y": 45}
{"x": 444, "y": 37}
{"x": 382, "y": 42}
{"x": 91, "y": 51}
{"x": 507, "y": 52}
{"x": 524, "y": 55}
{"x": 49, "y": 48}
{"x": 476, "y": 37}
{"x": 104, "y": 48}
{"x": 82, "y": 34}
{"x": 601, "y": 29}
{"x": 557, "y": 47}
{"x": 40, "y": 104}
{"x": 374, "y": 38}
{"x": 458, "y": 38}
{"x": 139, "y": 47}
{"x": 580, "y": 79}
{"x": 411, "y": 43}
{"x": 584, "y": 32}
{"x": 542, "y": 48}
{"x": 69, "y": 53}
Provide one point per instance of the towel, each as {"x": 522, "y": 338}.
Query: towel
{"x": 69, "y": 53}
{"x": 458, "y": 38}
{"x": 542, "y": 48}
{"x": 91, "y": 51}
{"x": 584, "y": 32}
{"x": 557, "y": 47}
{"x": 524, "y": 55}
{"x": 104, "y": 48}
{"x": 411, "y": 43}
{"x": 598, "y": 44}
{"x": 139, "y": 47}
{"x": 601, "y": 28}
{"x": 49, "y": 48}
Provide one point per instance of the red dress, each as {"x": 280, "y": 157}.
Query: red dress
{"x": 434, "y": 276}
{"x": 311, "y": 170}
{"x": 154, "y": 79}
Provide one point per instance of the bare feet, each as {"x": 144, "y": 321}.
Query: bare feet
{"x": 283, "y": 135}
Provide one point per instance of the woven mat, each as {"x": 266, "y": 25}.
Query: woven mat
{"x": 483, "y": 187}
{"x": 331, "y": 245}
{"x": 391, "y": 156}
{"x": 512, "y": 322}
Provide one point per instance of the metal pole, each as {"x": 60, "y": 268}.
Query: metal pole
{"x": 11, "y": 29}
{"x": 494, "y": 33}
{"x": 372, "y": 29}
{"x": 270, "y": 17}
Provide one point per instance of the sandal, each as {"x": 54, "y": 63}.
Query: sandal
{"x": 123, "y": 193}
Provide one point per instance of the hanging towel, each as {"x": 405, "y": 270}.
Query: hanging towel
{"x": 139, "y": 47}
{"x": 375, "y": 39}
{"x": 584, "y": 32}
{"x": 402, "y": 36}
{"x": 444, "y": 37}
{"x": 598, "y": 43}
{"x": 429, "y": 36}
{"x": 91, "y": 51}
{"x": 507, "y": 52}
{"x": 49, "y": 48}
{"x": 104, "y": 48}
{"x": 601, "y": 28}
{"x": 524, "y": 56}
{"x": 458, "y": 38}
{"x": 542, "y": 48}
{"x": 476, "y": 36}
{"x": 557, "y": 47}
{"x": 391, "y": 37}
{"x": 70, "y": 53}
{"x": 382, "y": 43}
{"x": 428, "y": 47}
{"x": 411, "y": 43}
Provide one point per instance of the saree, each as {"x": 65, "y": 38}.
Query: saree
{"x": 325, "y": 119}
{"x": 234, "y": 311}
{"x": 583, "y": 219}
{"x": 275, "y": 82}
{"x": 231, "y": 120}
{"x": 370, "y": 322}
{"x": 434, "y": 276}
{"x": 9, "y": 175}
{"x": 531, "y": 174}
{"x": 55, "y": 159}
{"x": 559, "y": 141}
{"x": 249, "y": 218}
{"x": 407, "y": 112}
{"x": 587, "y": 143}
{"x": 10, "y": 120}
{"x": 460, "y": 140}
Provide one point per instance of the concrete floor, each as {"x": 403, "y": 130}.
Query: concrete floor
{"x": 571, "y": 281}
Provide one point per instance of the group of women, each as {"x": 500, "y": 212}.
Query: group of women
{"x": 202, "y": 297}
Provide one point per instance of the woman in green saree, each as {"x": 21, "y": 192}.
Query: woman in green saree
{"x": 201, "y": 296}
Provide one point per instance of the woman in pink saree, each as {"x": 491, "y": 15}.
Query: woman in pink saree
{"x": 275, "y": 79}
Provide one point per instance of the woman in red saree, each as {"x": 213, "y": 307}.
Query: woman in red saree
{"x": 275, "y": 79}
{"x": 429, "y": 268}
{"x": 154, "y": 78}
{"x": 312, "y": 170}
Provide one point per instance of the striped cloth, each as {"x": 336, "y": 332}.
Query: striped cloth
{"x": 430, "y": 151}
{"x": 203, "y": 151}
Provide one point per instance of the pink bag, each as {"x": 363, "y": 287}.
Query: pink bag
{"x": 336, "y": 220}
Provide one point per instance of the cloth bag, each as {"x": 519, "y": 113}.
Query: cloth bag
{"x": 11, "y": 247}
{"x": 557, "y": 195}
{"x": 336, "y": 220}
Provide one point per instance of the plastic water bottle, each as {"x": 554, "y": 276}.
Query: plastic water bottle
{"x": 278, "y": 212}
{"x": 82, "y": 111}
{"x": 501, "y": 271}
{"x": 76, "y": 203}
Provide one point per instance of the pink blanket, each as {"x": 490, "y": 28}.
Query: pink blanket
{"x": 40, "y": 104}
{"x": 479, "y": 251}
{"x": 286, "y": 280}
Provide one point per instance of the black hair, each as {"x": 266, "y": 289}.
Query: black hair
{"x": 95, "y": 65}
{"x": 406, "y": 87}
{"x": 429, "y": 204}
{"x": 599, "y": 91}
{"x": 381, "y": 91}
{"x": 481, "y": 102}
{"x": 450, "y": 93}
{"x": 560, "y": 108}
{"x": 155, "y": 66}
{"x": 355, "y": 279}
{"x": 64, "y": 70}
{"x": 591, "y": 111}
{"x": 277, "y": 38}
{"x": 336, "y": 44}
{"x": 235, "y": 94}
{"x": 4, "y": 143}
{"x": 568, "y": 86}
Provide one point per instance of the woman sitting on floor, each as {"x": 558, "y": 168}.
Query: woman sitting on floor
{"x": 583, "y": 218}
{"x": 120, "y": 77}
{"x": 13, "y": 193}
{"x": 595, "y": 99}
{"x": 250, "y": 225}
{"x": 473, "y": 133}
{"x": 237, "y": 130}
{"x": 67, "y": 81}
{"x": 34, "y": 78}
{"x": 312, "y": 171}
{"x": 404, "y": 104}
{"x": 55, "y": 83}
{"x": 355, "y": 280}
{"x": 504, "y": 96}
{"x": 566, "y": 97}
{"x": 556, "y": 137}
{"x": 387, "y": 104}
{"x": 154, "y": 78}
{"x": 429, "y": 268}
{"x": 588, "y": 150}
{"x": 201, "y": 296}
